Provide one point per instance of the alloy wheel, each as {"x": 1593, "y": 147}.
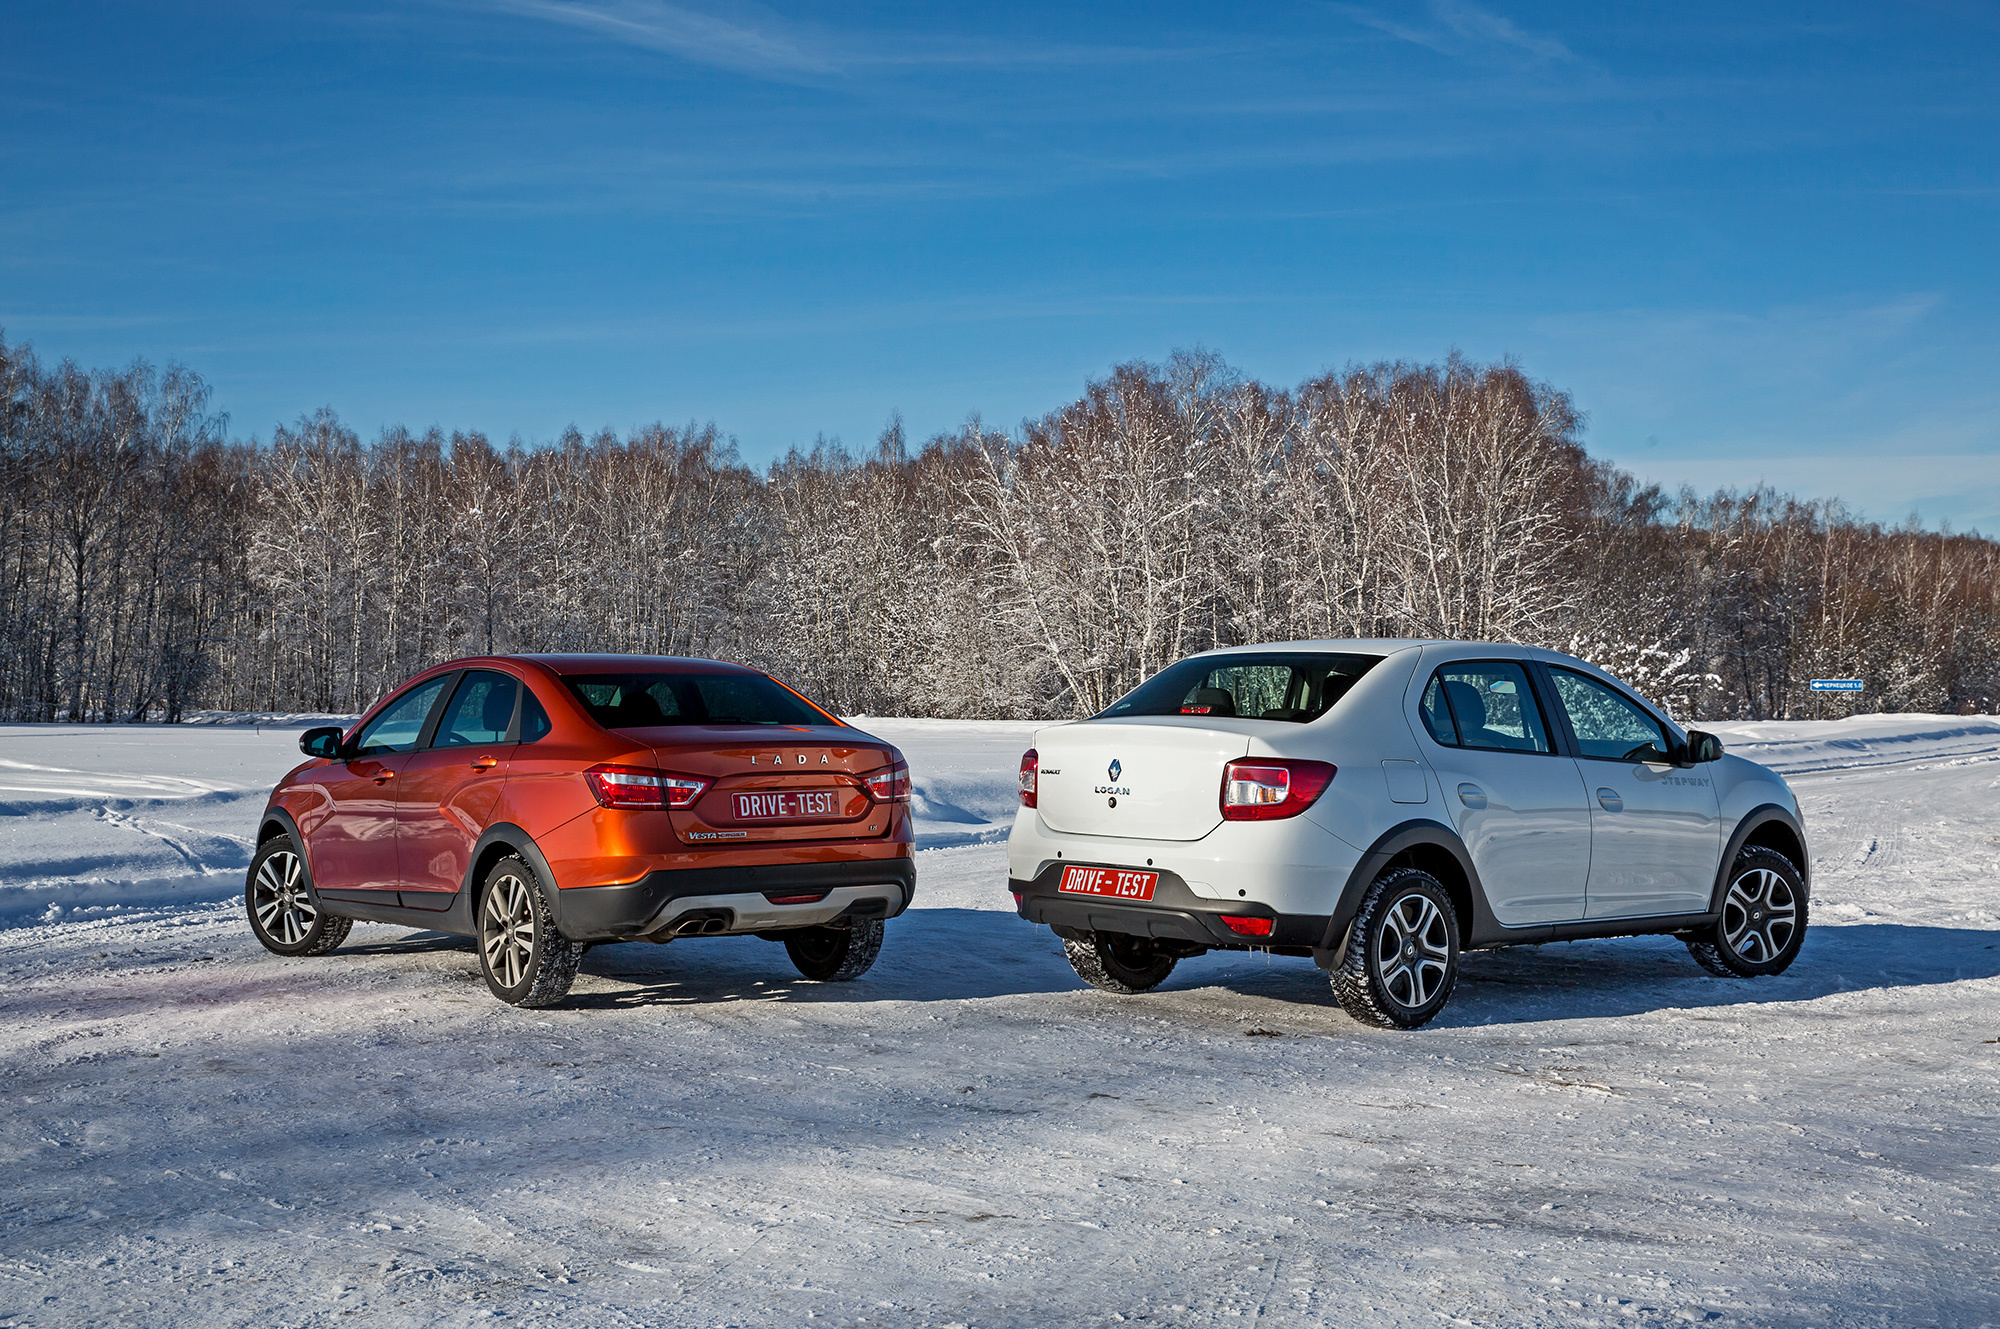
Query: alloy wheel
{"x": 284, "y": 907}
{"x": 1413, "y": 950}
{"x": 1759, "y": 915}
{"x": 507, "y": 930}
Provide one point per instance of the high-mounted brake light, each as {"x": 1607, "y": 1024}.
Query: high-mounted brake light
{"x": 889, "y": 785}
{"x": 1270, "y": 788}
{"x": 636, "y": 787}
{"x": 1245, "y": 926}
{"x": 1031, "y": 764}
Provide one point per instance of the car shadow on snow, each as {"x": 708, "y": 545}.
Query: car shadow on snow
{"x": 1631, "y": 976}
{"x": 974, "y": 954}
{"x": 410, "y": 943}
{"x": 927, "y": 955}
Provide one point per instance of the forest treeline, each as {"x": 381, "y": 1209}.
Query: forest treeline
{"x": 150, "y": 565}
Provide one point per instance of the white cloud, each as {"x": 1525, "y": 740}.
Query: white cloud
{"x": 755, "y": 41}
{"x": 1463, "y": 30}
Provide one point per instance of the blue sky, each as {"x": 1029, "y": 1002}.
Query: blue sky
{"x": 1754, "y": 242}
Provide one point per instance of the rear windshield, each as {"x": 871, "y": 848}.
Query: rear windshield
{"x": 645, "y": 701}
{"x": 1283, "y": 685}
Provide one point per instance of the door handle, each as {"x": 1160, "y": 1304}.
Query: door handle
{"x": 1472, "y": 796}
{"x": 385, "y": 777}
{"x": 1609, "y": 800}
{"x": 484, "y": 763}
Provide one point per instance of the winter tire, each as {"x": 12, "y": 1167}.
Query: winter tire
{"x": 1402, "y": 952}
{"x": 1119, "y": 963}
{"x": 278, "y": 897}
{"x": 834, "y": 955}
{"x": 1763, "y": 921}
{"x": 526, "y": 961}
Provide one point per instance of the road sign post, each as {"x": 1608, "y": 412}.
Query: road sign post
{"x": 1821, "y": 686}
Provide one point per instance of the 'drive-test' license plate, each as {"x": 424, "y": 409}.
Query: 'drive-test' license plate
{"x": 803, "y": 803}
{"x": 1109, "y": 881}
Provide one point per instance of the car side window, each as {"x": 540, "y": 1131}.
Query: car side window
{"x": 1607, "y": 725}
{"x": 534, "y": 720}
{"x": 401, "y": 722}
{"x": 481, "y": 711}
{"x": 1492, "y": 706}
{"x": 1437, "y": 718}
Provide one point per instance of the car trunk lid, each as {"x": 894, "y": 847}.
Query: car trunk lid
{"x": 1155, "y": 779}
{"x": 774, "y": 785}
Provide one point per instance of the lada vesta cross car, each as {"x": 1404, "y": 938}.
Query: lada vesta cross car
{"x": 541, "y": 803}
{"x": 1384, "y": 806}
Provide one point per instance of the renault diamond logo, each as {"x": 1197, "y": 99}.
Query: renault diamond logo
{"x": 1113, "y": 770}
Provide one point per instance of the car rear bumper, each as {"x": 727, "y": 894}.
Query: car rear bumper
{"x": 879, "y": 888}
{"x": 1175, "y": 913}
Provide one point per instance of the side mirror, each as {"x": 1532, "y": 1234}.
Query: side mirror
{"x": 322, "y": 742}
{"x": 1702, "y": 747}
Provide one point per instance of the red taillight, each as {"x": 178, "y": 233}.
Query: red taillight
{"x": 890, "y": 785}
{"x": 1031, "y": 764}
{"x": 1247, "y": 927}
{"x": 636, "y": 787}
{"x": 1269, "y": 788}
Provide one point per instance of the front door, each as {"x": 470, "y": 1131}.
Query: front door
{"x": 1517, "y": 803}
{"x": 1656, "y": 830}
{"x": 449, "y": 788}
{"x": 352, "y": 844}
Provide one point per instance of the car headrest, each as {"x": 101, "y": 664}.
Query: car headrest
{"x": 639, "y": 708}
{"x": 1210, "y": 701}
{"x": 1466, "y": 704}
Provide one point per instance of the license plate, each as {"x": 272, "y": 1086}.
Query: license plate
{"x": 788, "y": 804}
{"x": 1114, "y": 882}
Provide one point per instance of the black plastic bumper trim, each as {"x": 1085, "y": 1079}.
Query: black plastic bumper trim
{"x": 1175, "y": 912}
{"x": 599, "y": 913}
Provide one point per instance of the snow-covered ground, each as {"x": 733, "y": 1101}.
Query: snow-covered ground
{"x": 199, "y": 1133}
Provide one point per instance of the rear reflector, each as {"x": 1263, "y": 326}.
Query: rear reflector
{"x": 808, "y": 897}
{"x": 1031, "y": 763}
{"x": 1268, "y": 788}
{"x": 1247, "y": 927}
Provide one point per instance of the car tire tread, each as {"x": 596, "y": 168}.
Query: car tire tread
{"x": 1357, "y": 985}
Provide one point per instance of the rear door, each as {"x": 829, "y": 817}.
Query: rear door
{"x": 1516, "y": 802}
{"x": 1656, "y": 832}
{"x": 448, "y": 789}
{"x": 352, "y": 847}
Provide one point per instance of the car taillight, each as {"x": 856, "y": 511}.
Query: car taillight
{"x": 636, "y": 787}
{"x": 1270, "y": 788}
{"x": 1247, "y": 927}
{"x": 890, "y": 785}
{"x": 1031, "y": 764}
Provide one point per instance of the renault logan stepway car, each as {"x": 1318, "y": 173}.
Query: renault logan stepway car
{"x": 1384, "y": 806}
{"x": 541, "y": 803}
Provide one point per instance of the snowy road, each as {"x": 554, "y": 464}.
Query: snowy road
{"x": 198, "y": 1133}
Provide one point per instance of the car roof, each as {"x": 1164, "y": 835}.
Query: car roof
{"x": 1389, "y": 645}
{"x": 625, "y": 664}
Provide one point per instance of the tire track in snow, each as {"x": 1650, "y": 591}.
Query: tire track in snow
{"x": 113, "y": 817}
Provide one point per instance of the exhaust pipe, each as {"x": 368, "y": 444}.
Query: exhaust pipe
{"x": 703, "y": 923}
{"x": 695, "y": 923}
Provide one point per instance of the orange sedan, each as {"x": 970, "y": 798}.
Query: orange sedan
{"x": 543, "y": 803}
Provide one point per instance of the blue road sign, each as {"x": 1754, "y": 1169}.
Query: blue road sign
{"x": 1835, "y": 685}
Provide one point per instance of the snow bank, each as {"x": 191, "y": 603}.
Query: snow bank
{"x": 1799, "y": 746}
